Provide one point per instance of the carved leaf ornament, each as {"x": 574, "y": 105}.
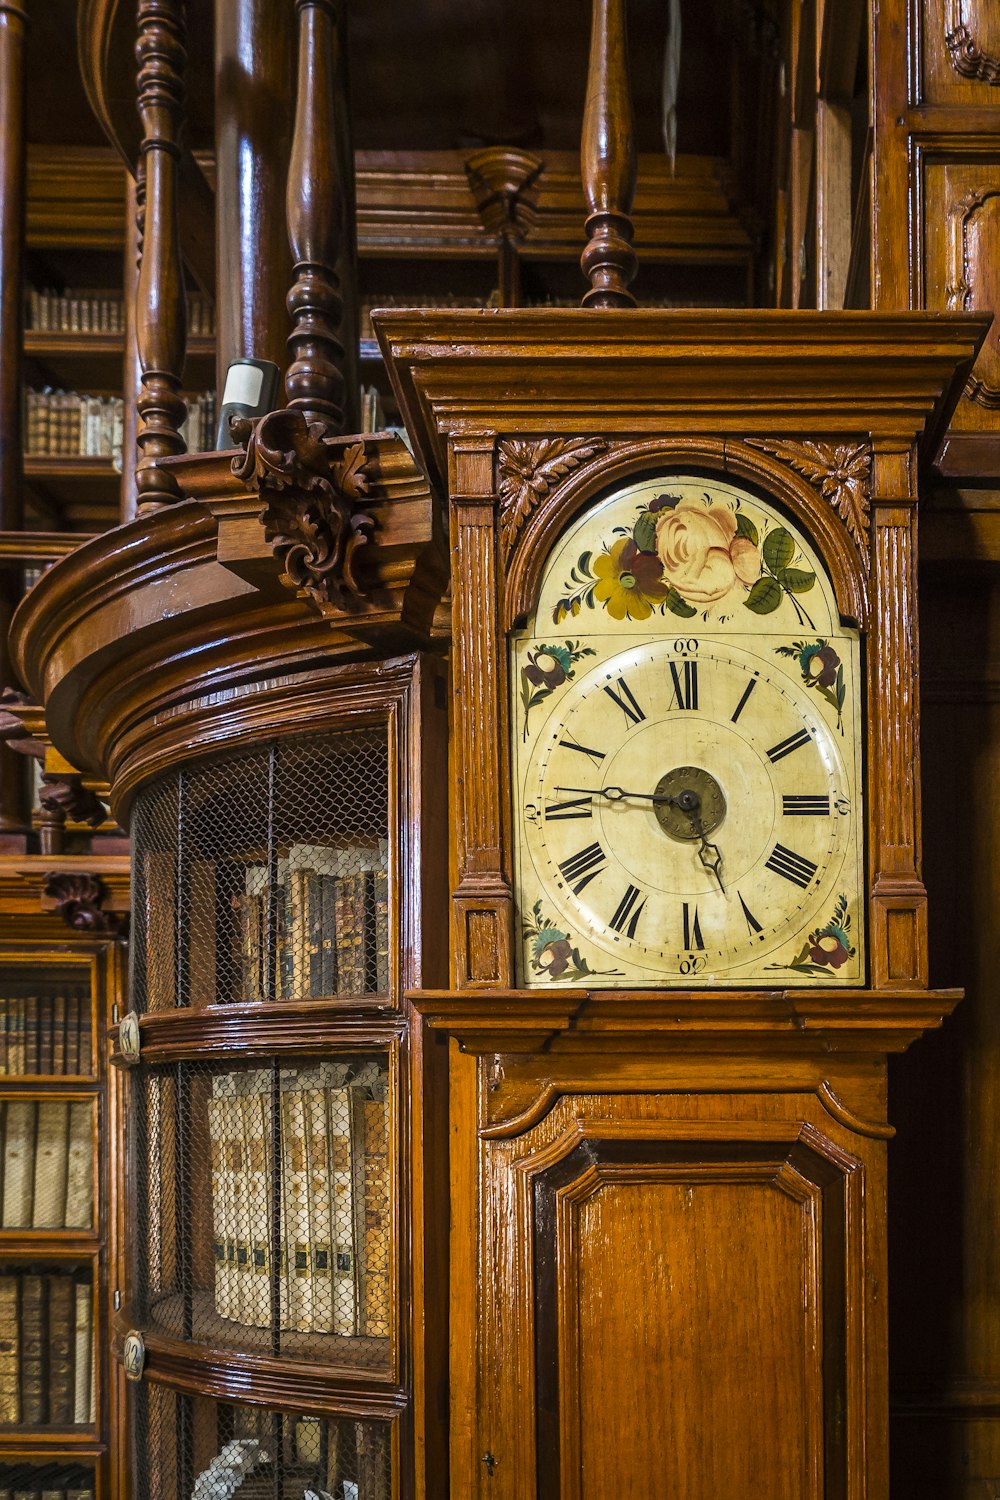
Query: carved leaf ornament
{"x": 311, "y": 517}
{"x": 841, "y": 472}
{"x": 526, "y": 471}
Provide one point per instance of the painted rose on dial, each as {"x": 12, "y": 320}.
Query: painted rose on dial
{"x": 702, "y": 553}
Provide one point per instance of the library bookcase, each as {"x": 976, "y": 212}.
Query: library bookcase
{"x": 283, "y": 1311}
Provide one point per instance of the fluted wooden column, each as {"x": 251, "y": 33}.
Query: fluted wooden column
{"x": 319, "y": 207}
{"x": 607, "y": 161}
{"x": 254, "y": 84}
{"x": 160, "y": 313}
{"x": 13, "y": 185}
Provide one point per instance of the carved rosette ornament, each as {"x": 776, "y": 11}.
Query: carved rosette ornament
{"x": 967, "y": 56}
{"x": 78, "y": 898}
{"x": 526, "y": 471}
{"x": 312, "y": 491}
{"x": 841, "y": 472}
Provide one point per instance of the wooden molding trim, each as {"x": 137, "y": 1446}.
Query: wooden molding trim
{"x": 812, "y": 1021}
{"x": 286, "y": 1384}
{"x": 258, "y": 1030}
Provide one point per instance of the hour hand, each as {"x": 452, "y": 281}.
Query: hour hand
{"x": 711, "y": 857}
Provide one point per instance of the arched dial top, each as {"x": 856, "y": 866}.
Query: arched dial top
{"x": 686, "y": 713}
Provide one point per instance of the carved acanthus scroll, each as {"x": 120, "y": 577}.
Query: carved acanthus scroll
{"x": 841, "y": 472}
{"x": 968, "y": 56}
{"x": 526, "y": 471}
{"x": 312, "y": 491}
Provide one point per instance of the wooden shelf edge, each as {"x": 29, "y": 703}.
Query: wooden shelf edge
{"x": 264, "y": 1028}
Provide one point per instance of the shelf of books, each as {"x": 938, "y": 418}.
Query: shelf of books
{"x": 54, "y": 1254}
{"x": 266, "y": 1105}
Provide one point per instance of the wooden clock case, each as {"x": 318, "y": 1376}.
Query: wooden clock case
{"x": 668, "y": 1251}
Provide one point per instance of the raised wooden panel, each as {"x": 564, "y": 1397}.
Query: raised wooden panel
{"x": 959, "y": 51}
{"x": 960, "y": 245}
{"x": 698, "y": 1272}
{"x": 681, "y": 1301}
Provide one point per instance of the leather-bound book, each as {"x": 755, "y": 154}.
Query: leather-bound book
{"x": 34, "y": 1350}
{"x": 62, "y": 1336}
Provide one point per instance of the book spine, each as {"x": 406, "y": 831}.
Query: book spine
{"x": 59, "y": 1034}
{"x": 372, "y": 1176}
{"x": 34, "y": 1407}
{"x": 51, "y": 1161}
{"x": 217, "y": 1127}
{"x": 19, "y": 1151}
{"x": 10, "y": 1338}
{"x": 319, "y": 1233}
{"x": 62, "y": 1316}
{"x": 80, "y": 1167}
{"x": 259, "y": 1158}
{"x": 345, "y": 1277}
{"x": 83, "y": 1354}
{"x": 295, "y": 1196}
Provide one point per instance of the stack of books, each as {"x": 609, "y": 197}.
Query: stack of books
{"x": 333, "y": 1213}
{"x": 47, "y": 1154}
{"x": 46, "y": 1481}
{"x": 46, "y": 1349}
{"x": 330, "y": 930}
{"x": 75, "y": 424}
{"x": 100, "y": 310}
{"x": 45, "y": 1034}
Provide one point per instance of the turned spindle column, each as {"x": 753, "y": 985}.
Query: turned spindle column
{"x": 607, "y": 162}
{"x": 320, "y": 223}
{"x": 13, "y": 19}
{"x": 160, "y": 312}
{"x": 254, "y": 83}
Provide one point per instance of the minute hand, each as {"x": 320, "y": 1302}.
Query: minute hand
{"x": 616, "y": 793}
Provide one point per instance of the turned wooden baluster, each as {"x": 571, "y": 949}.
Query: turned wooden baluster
{"x": 160, "y": 313}
{"x": 319, "y": 222}
{"x": 14, "y": 810}
{"x": 607, "y": 161}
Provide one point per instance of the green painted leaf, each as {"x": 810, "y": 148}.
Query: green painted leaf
{"x": 745, "y": 527}
{"x": 644, "y": 534}
{"x": 764, "y": 597}
{"x": 779, "y": 549}
{"x": 679, "y": 606}
{"x": 796, "y": 580}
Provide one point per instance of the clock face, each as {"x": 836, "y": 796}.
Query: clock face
{"x": 686, "y": 752}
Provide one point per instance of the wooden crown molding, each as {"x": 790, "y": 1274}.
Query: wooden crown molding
{"x": 181, "y": 608}
{"x": 533, "y": 372}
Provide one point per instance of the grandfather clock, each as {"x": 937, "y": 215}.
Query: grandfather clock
{"x": 688, "y": 922}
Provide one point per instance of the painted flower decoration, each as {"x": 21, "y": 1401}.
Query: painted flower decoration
{"x": 551, "y": 953}
{"x": 701, "y": 552}
{"x": 548, "y": 667}
{"x": 819, "y": 665}
{"x": 828, "y": 947}
{"x": 630, "y": 582}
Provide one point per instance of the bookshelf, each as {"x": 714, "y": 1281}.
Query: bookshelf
{"x": 277, "y": 916}
{"x": 58, "y": 1237}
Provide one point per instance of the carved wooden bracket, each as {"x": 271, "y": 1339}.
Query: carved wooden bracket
{"x": 526, "y": 471}
{"x": 967, "y": 56}
{"x": 964, "y": 271}
{"x": 841, "y": 472}
{"x": 79, "y": 898}
{"x": 504, "y": 183}
{"x": 16, "y": 729}
{"x": 66, "y": 796}
{"x": 311, "y": 490}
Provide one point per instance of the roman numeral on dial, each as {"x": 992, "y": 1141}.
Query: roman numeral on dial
{"x": 569, "y": 743}
{"x": 753, "y": 925}
{"x": 580, "y": 869}
{"x": 626, "y": 918}
{"x": 802, "y": 806}
{"x": 791, "y": 866}
{"x": 575, "y": 807}
{"x": 787, "y": 747}
{"x": 685, "y": 679}
{"x": 744, "y": 700}
{"x": 623, "y": 695}
{"x": 692, "y": 929}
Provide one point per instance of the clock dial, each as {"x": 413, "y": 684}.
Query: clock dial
{"x": 687, "y": 804}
